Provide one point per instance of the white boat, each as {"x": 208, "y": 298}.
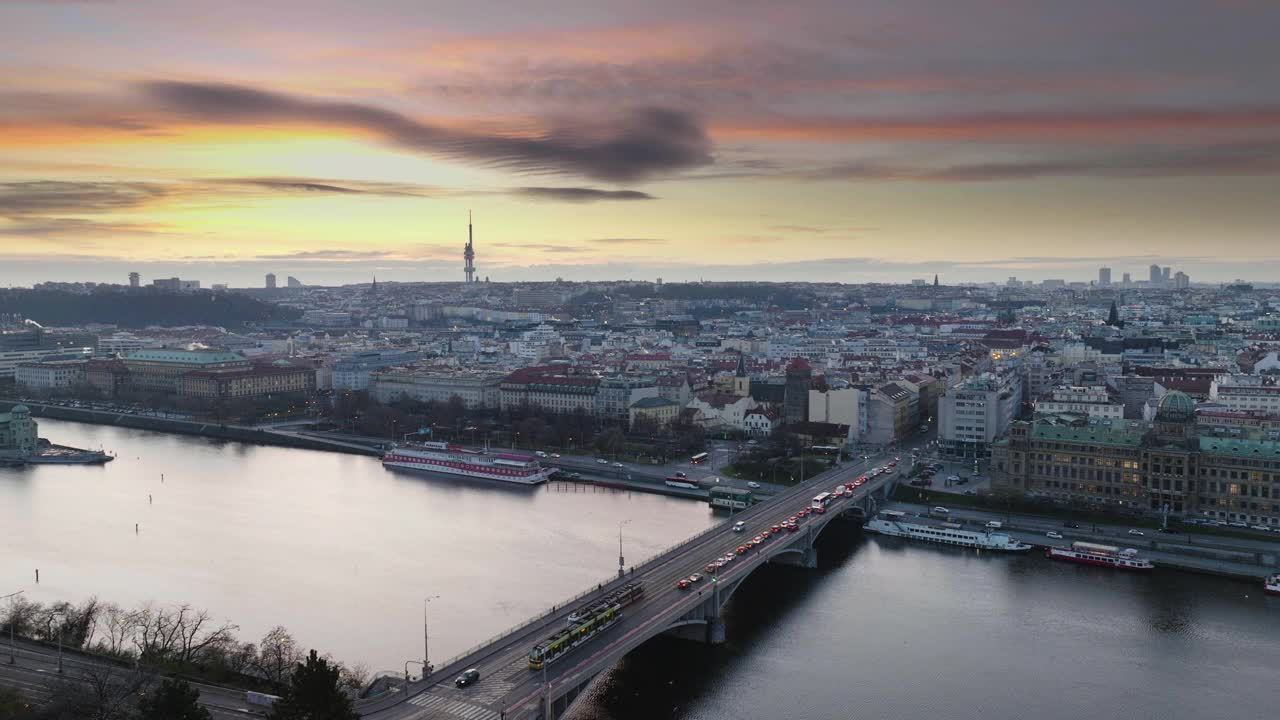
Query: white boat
{"x": 1272, "y": 585}
{"x": 446, "y": 459}
{"x": 895, "y": 524}
{"x": 1102, "y": 555}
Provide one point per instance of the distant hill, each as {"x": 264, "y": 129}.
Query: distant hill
{"x": 141, "y": 307}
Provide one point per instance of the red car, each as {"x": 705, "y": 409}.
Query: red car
{"x": 775, "y": 529}
{"x": 793, "y": 519}
{"x": 893, "y": 463}
{"x": 683, "y": 583}
{"x": 742, "y": 550}
{"x": 792, "y": 527}
{"x": 819, "y": 510}
{"x": 804, "y": 512}
{"x": 710, "y": 569}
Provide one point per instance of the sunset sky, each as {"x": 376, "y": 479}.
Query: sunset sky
{"x": 605, "y": 139}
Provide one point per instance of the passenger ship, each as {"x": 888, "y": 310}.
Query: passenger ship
{"x": 1104, "y": 555}
{"x": 1272, "y": 585}
{"x": 446, "y": 459}
{"x": 894, "y": 524}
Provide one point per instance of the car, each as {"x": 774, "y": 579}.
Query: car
{"x": 1135, "y": 531}
{"x": 742, "y": 549}
{"x": 696, "y": 577}
{"x": 775, "y": 529}
{"x": 555, "y": 456}
{"x": 617, "y": 464}
{"x": 1238, "y": 524}
{"x": 753, "y": 485}
{"x": 1070, "y": 524}
{"x": 970, "y": 491}
{"x": 751, "y": 442}
{"x": 710, "y": 569}
{"x": 940, "y": 511}
{"x": 792, "y": 527}
{"x": 793, "y": 519}
{"x": 540, "y": 454}
{"x": 803, "y": 512}
{"x": 897, "y": 458}
{"x": 893, "y": 463}
{"x": 739, "y": 526}
{"x": 757, "y": 539}
{"x": 680, "y": 474}
{"x": 765, "y": 533}
{"x": 683, "y": 583}
{"x": 601, "y": 461}
{"x": 1166, "y": 530}
{"x": 468, "y": 677}
{"x": 1263, "y": 528}
{"x": 1053, "y": 535}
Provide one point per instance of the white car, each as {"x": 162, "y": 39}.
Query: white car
{"x": 1053, "y": 535}
{"x": 1134, "y": 531}
{"x": 753, "y": 485}
{"x": 555, "y": 455}
{"x": 617, "y": 464}
{"x": 739, "y": 526}
{"x": 602, "y": 461}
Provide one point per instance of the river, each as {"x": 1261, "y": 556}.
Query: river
{"x": 342, "y": 552}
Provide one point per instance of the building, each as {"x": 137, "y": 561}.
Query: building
{"x": 721, "y": 410}
{"x": 1156, "y": 277}
{"x": 1092, "y": 401}
{"x": 159, "y": 370}
{"x": 50, "y": 375}
{"x": 617, "y": 394}
{"x": 356, "y": 371}
{"x": 971, "y": 416}
{"x": 271, "y": 281}
{"x": 106, "y": 376}
{"x": 658, "y": 412}
{"x": 550, "y": 388}
{"x": 175, "y": 285}
{"x": 761, "y": 422}
{"x": 1167, "y": 464}
{"x": 1181, "y": 281}
{"x": 135, "y": 280}
{"x": 18, "y": 433}
{"x": 477, "y": 390}
{"x": 247, "y": 383}
{"x": 1104, "y": 277}
{"x": 1126, "y": 280}
{"x": 841, "y": 407}
{"x": 469, "y": 254}
{"x": 120, "y": 343}
{"x": 32, "y": 343}
{"x": 1247, "y": 393}
{"x": 293, "y": 282}
{"x": 795, "y": 402}
{"x": 889, "y": 414}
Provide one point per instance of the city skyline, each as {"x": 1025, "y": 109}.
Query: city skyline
{"x": 610, "y": 141}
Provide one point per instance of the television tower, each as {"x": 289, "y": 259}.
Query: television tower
{"x": 469, "y": 254}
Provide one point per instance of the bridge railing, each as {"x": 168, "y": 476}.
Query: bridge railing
{"x": 552, "y": 611}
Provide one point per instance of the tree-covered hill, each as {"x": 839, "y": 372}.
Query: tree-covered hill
{"x": 140, "y": 308}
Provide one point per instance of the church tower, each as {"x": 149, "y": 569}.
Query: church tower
{"x": 741, "y": 381}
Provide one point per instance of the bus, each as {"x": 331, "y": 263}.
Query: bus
{"x": 676, "y": 481}
{"x": 699, "y": 458}
{"x": 821, "y": 501}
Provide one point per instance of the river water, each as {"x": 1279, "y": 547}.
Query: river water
{"x": 342, "y": 552}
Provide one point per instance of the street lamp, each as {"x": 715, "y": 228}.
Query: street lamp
{"x": 13, "y": 647}
{"x": 426, "y": 639}
{"x": 620, "y": 561}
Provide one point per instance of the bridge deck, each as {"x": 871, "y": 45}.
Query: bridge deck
{"x": 508, "y": 689}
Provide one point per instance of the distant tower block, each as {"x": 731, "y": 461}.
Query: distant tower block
{"x": 469, "y": 253}
{"x": 271, "y": 281}
{"x": 134, "y": 279}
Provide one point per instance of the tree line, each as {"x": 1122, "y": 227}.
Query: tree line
{"x": 150, "y": 640}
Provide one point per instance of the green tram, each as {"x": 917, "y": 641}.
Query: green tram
{"x": 584, "y": 624}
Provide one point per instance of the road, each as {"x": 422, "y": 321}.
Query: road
{"x": 35, "y": 675}
{"x": 507, "y": 687}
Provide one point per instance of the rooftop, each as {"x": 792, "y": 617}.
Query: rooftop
{"x": 201, "y": 357}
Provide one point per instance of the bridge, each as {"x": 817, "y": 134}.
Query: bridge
{"x": 509, "y": 690}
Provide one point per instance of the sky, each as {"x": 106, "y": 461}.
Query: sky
{"x": 821, "y": 140}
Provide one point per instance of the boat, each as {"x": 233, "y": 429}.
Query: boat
{"x": 1104, "y": 555}
{"x": 676, "y": 481}
{"x": 457, "y": 461}
{"x": 1272, "y": 585}
{"x": 895, "y": 524}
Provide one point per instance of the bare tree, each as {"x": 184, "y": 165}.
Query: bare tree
{"x": 114, "y": 629}
{"x": 355, "y": 677}
{"x": 196, "y": 638}
{"x": 277, "y": 655}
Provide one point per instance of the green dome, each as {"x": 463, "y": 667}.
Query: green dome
{"x": 1176, "y": 406}
{"x": 20, "y": 410}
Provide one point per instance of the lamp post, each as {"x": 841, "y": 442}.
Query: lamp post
{"x": 13, "y": 647}
{"x": 406, "y": 670}
{"x": 620, "y": 560}
{"x": 60, "y": 628}
{"x": 426, "y": 639}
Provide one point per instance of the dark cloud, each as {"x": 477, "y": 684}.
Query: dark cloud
{"x": 641, "y": 144}
{"x": 1262, "y": 158}
{"x": 628, "y": 241}
{"x": 579, "y": 194}
{"x": 329, "y": 255}
{"x": 544, "y": 247}
{"x": 337, "y": 187}
{"x": 51, "y": 197}
{"x": 74, "y": 228}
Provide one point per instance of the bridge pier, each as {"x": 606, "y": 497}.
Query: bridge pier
{"x": 710, "y": 632}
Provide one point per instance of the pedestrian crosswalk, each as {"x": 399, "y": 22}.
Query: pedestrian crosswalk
{"x": 442, "y": 707}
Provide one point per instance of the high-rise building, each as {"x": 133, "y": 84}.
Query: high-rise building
{"x": 1156, "y": 275}
{"x": 293, "y": 282}
{"x": 1166, "y": 275}
{"x": 469, "y": 254}
{"x": 134, "y": 279}
{"x": 271, "y": 281}
{"x": 1181, "y": 281}
{"x": 1126, "y": 280}
{"x": 1104, "y": 276}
